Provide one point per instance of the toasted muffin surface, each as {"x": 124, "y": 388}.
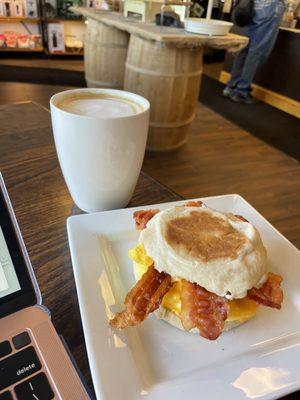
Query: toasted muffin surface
{"x": 218, "y": 251}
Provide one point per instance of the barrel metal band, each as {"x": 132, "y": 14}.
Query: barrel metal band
{"x": 163, "y": 74}
{"x": 172, "y": 124}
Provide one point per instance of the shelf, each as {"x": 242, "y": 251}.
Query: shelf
{"x": 19, "y": 19}
{"x": 62, "y": 19}
{"x": 67, "y": 53}
{"x": 295, "y": 30}
{"x": 20, "y": 49}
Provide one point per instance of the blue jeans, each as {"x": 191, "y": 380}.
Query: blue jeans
{"x": 262, "y": 33}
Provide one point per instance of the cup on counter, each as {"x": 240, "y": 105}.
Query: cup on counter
{"x": 100, "y": 147}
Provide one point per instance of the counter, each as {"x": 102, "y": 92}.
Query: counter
{"x": 278, "y": 83}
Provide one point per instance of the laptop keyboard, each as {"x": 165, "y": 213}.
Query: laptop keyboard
{"x": 21, "y": 340}
{"x": 21, "y": 364}
{"x": 38, "y": 385}
{"x": 18, "y": 366}
{"x": 5, "y": 348}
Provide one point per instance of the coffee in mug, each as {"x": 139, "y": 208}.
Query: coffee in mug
{"x": 100, "y": 137}
{"x": 99, "y": 105}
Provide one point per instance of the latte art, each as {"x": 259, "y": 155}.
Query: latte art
{"x": 99, "y": 105}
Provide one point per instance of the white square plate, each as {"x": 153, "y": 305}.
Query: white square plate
{"x": 260, "y": 359}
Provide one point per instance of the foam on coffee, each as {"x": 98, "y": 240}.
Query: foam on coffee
{"x": 98, "y": 105}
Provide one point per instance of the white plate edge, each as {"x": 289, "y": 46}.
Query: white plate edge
{"x": 89, "y": 343}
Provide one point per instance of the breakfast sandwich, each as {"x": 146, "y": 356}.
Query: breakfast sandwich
{"x": 199, "y": 269}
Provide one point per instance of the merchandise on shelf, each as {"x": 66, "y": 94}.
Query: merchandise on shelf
{"x": 6, "y": 8}
{"x": 73, "y": 44}
{"x": 23, "y": 41}
{"x": 11, "y": 39}
{"x": 18, "y": 8}
{"x": 35, "y": 41}
{"x": 64, "y": 37}
{"x": 56, "y": 41}
{"x": 31, "y": 9}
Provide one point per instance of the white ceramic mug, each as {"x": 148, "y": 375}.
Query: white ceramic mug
{"x": 100, "y": 157}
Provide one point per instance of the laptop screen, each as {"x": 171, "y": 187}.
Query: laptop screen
{"x": 16, "y": 288}
{"x": 9, "y": 282}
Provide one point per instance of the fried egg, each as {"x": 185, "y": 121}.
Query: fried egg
{"x": 239, "y": 309}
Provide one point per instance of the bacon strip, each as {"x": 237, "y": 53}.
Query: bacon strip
{"x": 144, "y": 298}
{"x": 241, "y": 218}
{"x": 193, "y": 203}
{"x": 270, "y": 294}
{"x": 203, "y": 310}
{"x": 142, "y": 217}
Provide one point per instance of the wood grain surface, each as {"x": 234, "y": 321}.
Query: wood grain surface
{"x": 105, "y": 50}
{"x": 42, "y": 204}
{"x": 219, "y": 158}
{"x": 176, "y": 76}
{"x": 169, "y": 36}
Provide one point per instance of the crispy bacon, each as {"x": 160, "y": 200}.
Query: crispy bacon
{"x": 144, "y": 298}
{"x": 241, "y": 218}
{"x": 203, "y": 310}
{"x": 270, "y": 294}
{"x": 193, "y": 203}
{"x": 142, "y": 217}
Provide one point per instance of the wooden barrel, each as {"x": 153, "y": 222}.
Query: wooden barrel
{"x": 169, "y": 77}
{"x": 105, "y": 52}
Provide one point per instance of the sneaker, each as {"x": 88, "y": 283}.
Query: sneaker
{"x": 227, "y": 91}
{"x": 238, "y": 98}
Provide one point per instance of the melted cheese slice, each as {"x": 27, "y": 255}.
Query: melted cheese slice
{"x": 239, "y": 309}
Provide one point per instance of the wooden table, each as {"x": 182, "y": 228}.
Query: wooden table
{"x": 171, "y": 37}
{"x": 162, "y": 64}
{"x": 42, "y": 204}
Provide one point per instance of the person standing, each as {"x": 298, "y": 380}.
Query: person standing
{"x": 262, "y": 32}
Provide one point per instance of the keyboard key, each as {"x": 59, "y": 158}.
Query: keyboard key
{"x": 18, "y": 366}
{"x": 21, "y": 340}
{"x": 5, "y": 349}
{"x": 36, "y": 387}
{"x": 6, "y": 396}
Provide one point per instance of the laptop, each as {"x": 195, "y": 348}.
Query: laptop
{"x": 34, "y": 364}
